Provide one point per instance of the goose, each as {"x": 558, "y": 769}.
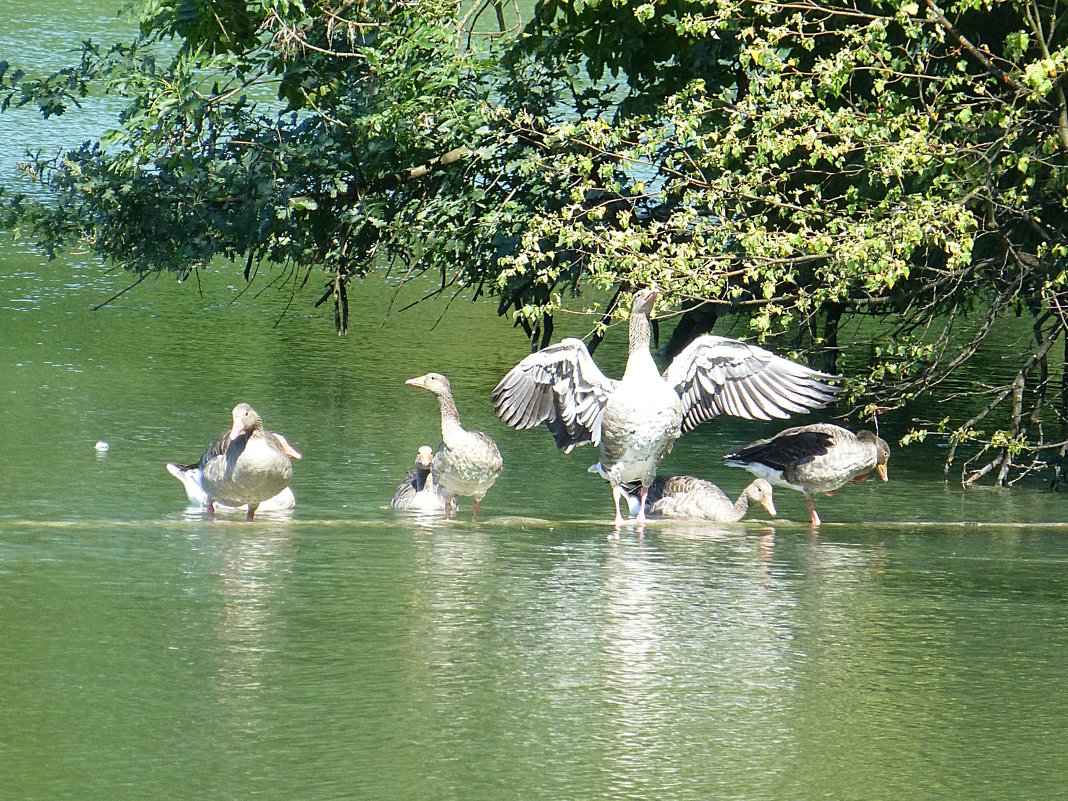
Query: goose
{"x": 821, "y": 457}
{"x": 418, "y": 492}
{"x": 190, "y": 476}
{"x": 467, "y": 462}
{"x": 690, "y": 498}
{"x": 246, "y": 464}
{"x": 636, "y": 420}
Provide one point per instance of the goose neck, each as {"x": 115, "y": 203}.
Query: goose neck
{"x": 422, "y": 474}
{"x": 640, "y": 364}
{"x": 450, "y": 418}
{"x": 640, "y": 332}
{"x": 741, "y": 506}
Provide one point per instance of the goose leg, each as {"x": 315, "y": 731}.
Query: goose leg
{"x": 640, "y": 519}
{"x": 617, "y": 493}
{"x": 474, "y": 510}
{"x": 812, "y": 512}
{"x": 252, "y": 507}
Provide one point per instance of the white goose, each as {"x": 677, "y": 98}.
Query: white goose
{"x": 418, "y": 492}
{"x": 690, "y": 498}
{"x": 637, "y": 419}
{"x": 246, "y": 464}
{"x": 815, "y": 458}
{"x": 467, "y": 462}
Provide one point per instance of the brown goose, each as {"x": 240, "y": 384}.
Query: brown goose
{"x": 689, "y": 498}
{"x": 637, "y": 419}
{"x": 467, "y": 462}
{"x": 816, "y": 458}
{"x": 246, "y": 464}
{"x": 418, "y": 492}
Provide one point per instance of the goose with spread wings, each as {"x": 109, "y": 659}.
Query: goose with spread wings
{"x": 636, "y": 420}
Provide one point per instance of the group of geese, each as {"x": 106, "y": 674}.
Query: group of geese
{"x": 634, "y": 421}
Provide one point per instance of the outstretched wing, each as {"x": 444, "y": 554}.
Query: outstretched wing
{"x": 560, "y": 386}
{"x": 718, "y": 375}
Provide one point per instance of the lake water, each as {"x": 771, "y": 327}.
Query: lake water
{"x": 913, "y": 649}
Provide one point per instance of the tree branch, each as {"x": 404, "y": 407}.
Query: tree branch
{"x": 978, "y": 54}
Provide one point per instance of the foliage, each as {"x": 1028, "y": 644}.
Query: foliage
{"x": 794, "y": 165}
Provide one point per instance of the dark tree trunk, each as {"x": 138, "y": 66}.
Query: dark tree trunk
{"x": 698, "y": 318}
{"x": 829, "y": 357}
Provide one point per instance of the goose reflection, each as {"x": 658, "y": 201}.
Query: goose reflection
{"x": 251, "y": 576}
{"x": 697, "y": 648}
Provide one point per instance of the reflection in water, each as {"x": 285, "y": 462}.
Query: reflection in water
{"x": 632, "y": 635}
{"x": 699, "y": 650}
{"x": 256, "y": 560}
{"x": 225, "y": 513}
{"x": 426, "y": 521}
{"x": 697, "y": 661}
{"x": 531, "y": 660}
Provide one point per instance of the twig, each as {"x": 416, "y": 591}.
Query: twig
{"x": 122, "y": 292}
{"x": 978, "y": 54}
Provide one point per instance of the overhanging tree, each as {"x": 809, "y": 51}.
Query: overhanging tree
{"x": 794, "y": 165}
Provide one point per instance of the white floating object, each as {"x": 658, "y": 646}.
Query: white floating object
{"x": 102, "y": 447}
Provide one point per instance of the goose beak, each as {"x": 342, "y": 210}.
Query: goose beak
{"x": 769, "y": 506}
{"x": 236, "y": 430}
{"x": 881, "y": 470}
{"x": 415, "y": 382}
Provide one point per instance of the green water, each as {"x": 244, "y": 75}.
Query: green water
{"x": 914, "y": 649}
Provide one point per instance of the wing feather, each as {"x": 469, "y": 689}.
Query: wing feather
{"x": 789, "y": 447}
{"x": 717, "y": 375}
{"x": 560, "y": 386}
{"x": 216, "y": 449}
{"x": 776, "y": 392}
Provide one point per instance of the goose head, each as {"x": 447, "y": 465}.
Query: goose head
{"x": 882, "y": 452}
{"x": 761, "y": 492}
{"x": 435, "y": 382}
{"x": 245, "y": 421}
{"x": 424, "y": 464}
{"x": 644, "y": 300}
